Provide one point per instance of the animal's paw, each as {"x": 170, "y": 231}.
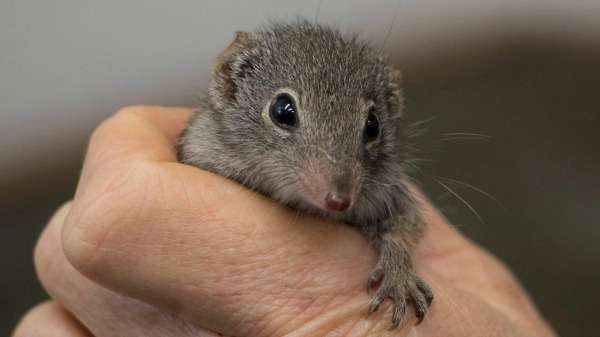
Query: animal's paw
{"x": 400, "y": 289}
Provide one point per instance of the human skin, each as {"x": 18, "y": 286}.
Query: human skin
{"x": 152, "y": 247}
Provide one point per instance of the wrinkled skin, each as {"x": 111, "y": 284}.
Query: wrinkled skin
{"x": 150, "y": 247}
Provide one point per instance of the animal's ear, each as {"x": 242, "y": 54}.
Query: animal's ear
{"x": 231, "y": 66}
{"x": 395, "y": 95}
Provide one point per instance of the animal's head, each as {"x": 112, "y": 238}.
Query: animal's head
{"x": 318, "y": 114}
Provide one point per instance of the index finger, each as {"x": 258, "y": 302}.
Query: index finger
{"x": 132, "y": 137}
{"x": 139, "y": 132}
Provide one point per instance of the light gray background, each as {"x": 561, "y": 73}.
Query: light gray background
{"x": 526, "y": 73}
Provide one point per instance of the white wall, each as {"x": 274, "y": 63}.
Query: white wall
{"x": 66, "y": 65}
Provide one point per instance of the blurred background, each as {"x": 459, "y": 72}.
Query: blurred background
{"x": 511, "y": 89}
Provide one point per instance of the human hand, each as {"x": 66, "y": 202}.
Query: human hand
{"x": 182, "y": 252}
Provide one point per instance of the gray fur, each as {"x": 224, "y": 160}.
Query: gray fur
{"x": 335, "y": 79}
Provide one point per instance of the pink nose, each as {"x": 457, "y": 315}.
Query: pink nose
{"x": 337, "y": 202}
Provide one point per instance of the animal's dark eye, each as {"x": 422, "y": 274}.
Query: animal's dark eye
{"x": 371, "y": 127}
{"x": 283, "y": 111}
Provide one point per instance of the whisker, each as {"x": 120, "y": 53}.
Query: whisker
{"x": 420, "y": 160}
{"x": 468, "y": 134}
{"x": 474, "y": 188}
{"x": 413, "y": 164}
{"x": 454, "y": 193}
{"x": 452, "y": 136}
{"x": 320, "y": 2}
{"x": 389, "y": 31}
{"x": 422, "y": 121}
{"x": 452, "y": 139}
{"x": 374, "y": 181}
{"x": 466, "y": 137}
{"x": 414, "y": 133}
{"x": 414, "y": 181}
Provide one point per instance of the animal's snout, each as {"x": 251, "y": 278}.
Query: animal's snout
{"x": 337, "y": 202}
{"x": 329, "y": 187}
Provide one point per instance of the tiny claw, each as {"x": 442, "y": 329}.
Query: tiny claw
{"x": 426, "y": 290}
{"x": 374, "y": 278}
{"x": 420, "y": 303}
{"x": 420, "y": 313}
{"x": 375, "y": 303}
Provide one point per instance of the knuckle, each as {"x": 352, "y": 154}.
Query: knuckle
{"x": 104, "y": 131}
{"x": 135, "y": 110}
{"x": 44, "y": 255}
{"x": 96, "y": 226}
{"x": 41, "y": 262}
{"x": 132, "y": 109}
{"x": 32, "y": 322}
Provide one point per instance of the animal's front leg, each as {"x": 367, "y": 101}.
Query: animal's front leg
{"x": 397, "y": 280}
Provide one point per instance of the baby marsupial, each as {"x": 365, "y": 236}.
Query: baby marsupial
{"x": 314, "y": 120}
